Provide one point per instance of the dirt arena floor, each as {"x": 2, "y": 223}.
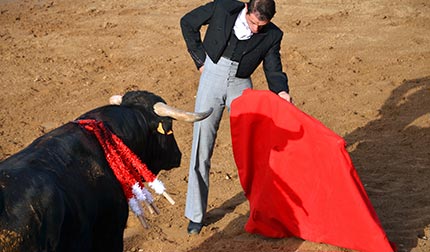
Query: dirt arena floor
{"x": 362, "y": 67}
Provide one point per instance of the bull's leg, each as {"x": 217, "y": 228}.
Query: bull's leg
{"x": 110, "y": 225}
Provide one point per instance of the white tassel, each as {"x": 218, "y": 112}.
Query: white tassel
{"x": 138, "y": 192}
{"x": 148, "y": 195}
{"x": 157, "y": 186}
{"x": 134, "y": 205}
{"x": 138, "y": 211}
{"x": 143, "y": 195}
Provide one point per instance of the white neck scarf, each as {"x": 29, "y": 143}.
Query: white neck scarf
{"x": 241, "y": 27}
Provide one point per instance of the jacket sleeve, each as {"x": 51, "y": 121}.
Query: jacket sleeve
{"x": 191, "y": 24}
{"x": 272, "y": 65}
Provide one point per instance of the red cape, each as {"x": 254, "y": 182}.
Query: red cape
{"x": 298, "y": 176}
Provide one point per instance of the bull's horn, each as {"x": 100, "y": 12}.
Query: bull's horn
{"x": 163, "y": 109}
{"x": 115, "y": 100}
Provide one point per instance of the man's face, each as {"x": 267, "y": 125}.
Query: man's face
{"x": 254, "y": 23}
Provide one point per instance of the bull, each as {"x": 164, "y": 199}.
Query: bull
{"x": 60, "y": 194}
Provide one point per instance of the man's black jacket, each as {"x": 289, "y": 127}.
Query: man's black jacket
{"x": 220, "y": 16}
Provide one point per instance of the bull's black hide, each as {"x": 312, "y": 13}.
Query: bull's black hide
{"x": 59, "y": 193}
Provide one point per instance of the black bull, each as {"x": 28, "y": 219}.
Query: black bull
{"x": 59, "y": 193}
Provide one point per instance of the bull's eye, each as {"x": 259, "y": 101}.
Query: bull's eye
{"x": 161, "y": 130}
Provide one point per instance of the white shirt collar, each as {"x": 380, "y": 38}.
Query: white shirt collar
{"x": 241, "y": 27}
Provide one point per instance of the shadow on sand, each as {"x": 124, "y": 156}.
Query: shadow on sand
{"x": 392, "y": 157}
{"x": 242, "y": 241}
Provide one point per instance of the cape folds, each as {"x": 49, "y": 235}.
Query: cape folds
{"x": 299, "y": 178}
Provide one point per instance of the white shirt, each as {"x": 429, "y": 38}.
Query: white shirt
{"x": 241, "y": 28}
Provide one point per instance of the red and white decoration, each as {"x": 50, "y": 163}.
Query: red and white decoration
{"x": 128, "y": 169}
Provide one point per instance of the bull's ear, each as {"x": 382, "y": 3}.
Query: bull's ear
{"x": 115, "y": 99}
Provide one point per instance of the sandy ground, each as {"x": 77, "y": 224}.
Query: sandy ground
{"x": 362, "y": 67}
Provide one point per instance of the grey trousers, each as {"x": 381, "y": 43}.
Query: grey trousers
{"x": 218, "y": 87}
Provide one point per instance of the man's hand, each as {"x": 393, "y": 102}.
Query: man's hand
{"x": 284, "y": 95}
{"x": 201, "y": 69}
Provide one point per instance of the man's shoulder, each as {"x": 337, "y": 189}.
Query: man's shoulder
{"x": 230, "y": 5}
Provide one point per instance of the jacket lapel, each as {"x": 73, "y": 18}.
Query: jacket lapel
{"x": 229, "y": 23}
{"x": 233, "y": 11}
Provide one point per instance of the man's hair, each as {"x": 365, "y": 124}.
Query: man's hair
{"x": 264, "y": 10}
